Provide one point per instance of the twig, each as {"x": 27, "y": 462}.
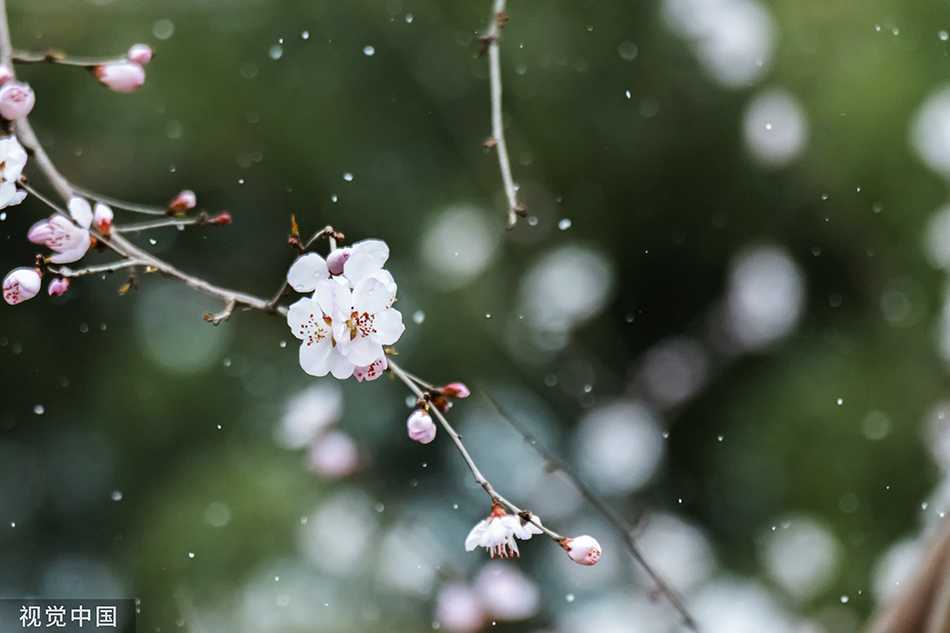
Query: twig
{"x": 224, "y": 315}
{"x": 157, "y": 224}
{"x": 490, "y": 40}
{"x": 58, "y": 57}
{"x": 120, "y": 204}
{"x": 619, "y": 525}
{"x": 66, "y": 271}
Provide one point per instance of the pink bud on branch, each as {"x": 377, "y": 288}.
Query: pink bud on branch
{"x": 584, "y": 550}
{"x": 140, "y": 54}
{"x": 16, "y": 100}
{"x": 183, "y": 201}
{"x": 121, "y": 76}
{"x": 58, "y": 287}
{"x": 21, "y": 284}
{"x": 421, "y": 427}
{"x": 456, "y": 390}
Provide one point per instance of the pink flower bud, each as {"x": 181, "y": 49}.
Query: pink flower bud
{"x": 337, "y": 259}
{"x": 456, "y": 390}
{"x": 58, "y": 286}
{"x": 121, "y": 76}
{"x": 21, "y": 284}
{"x": 16, "y": 100}
{"x": 441, "y": 403}
{"x": 103, "y": 218}
{"x": 584, "y": 550}
{"x": 6, "y": 74}
{"x": 421, "y": 427}
{"x": 222, "y": 219}
{"x": 140, "y": 54}
{"x": 183, "y": 201}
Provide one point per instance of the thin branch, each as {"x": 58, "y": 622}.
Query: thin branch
{"x": 457, "y": 439}
{"x": 58, "y": 57}
{"x": 66, "y": 271}
{"x": 619, "y": 525}
{"x": 157, "y": 224}
{"x": 491, "y": 40}
{"x": 224, "y": 315}
{"x": 120, "y": 204}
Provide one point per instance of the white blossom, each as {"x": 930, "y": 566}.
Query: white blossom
{"x": 497, "y": 533}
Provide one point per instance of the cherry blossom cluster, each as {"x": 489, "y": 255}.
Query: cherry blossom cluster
{"x": 127, "y": 75}
{"x": 349, "y": 317}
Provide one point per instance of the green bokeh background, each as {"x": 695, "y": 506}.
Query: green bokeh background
{"x": 670, "y": 199}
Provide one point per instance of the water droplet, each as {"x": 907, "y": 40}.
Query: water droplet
{"x": 719, "y": 438}
{"x": 844, "y": 599}
{"x": 425, "y": 464}
{"x": 418, "y": 317}
{"x": 923, "y": 506}
{"x": 348, "y": 177}
{"x": 219, "y": 427}
{"x": 944, "y": 36}
{"x": 283, "y": 344}
{"x": 276, "y": 578}
{"x": 369, "y": 51}
{"x": 380, "y": 507}
{"x": 532, "y": 220}
{"x": 227, "y": 362}
{"x": 305, "y": 35}
{"x": 3, "y": 216}
{"x": 824, "y": 196}
{"x": 840, "y": 401}
{"x": 768, "y": 126}
{"x": 569, "y": 597}
{"x": 38, "y": 409}
{"x": 895, "y": 31}
{"x": 240, "y": 181}
{"x": 13, "y": 524}
{"x": 628, "y": 94}
{"x": 191, "y": 554}
{"x": 163, "y": 29}
{"x": 334, "y": 197}
{"x": 276, "y": 51}
{"x": 117, "y": 495}
{"x": 83, "y": 328}
{"x": 152, "y": 241}
{"x": 564, "y": 224}
{"x": 455, "y": 506}
{"x": 488, "y": 315}
{"x": 877, "y": 27}
{"x": 588, "y": 388}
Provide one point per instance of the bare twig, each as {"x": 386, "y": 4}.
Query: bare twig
{"x": 224, "y": 315}
{"x": 148, "y": 209}
{"x": 619, "y": 525}
{"x": 66, "y": 271}
{"x": 58, "y": 57}
{"x": 490, "y": 41}
{"x": 156, "y": 224}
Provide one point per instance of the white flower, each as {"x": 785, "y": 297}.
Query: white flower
{"x": 363, "y": 321}
{"x": 310, "y": 321}
{"x": 21, "y": 284}
{"x": 12, "y": 161}
{"x": 497, "y": 533}
{"x": 307, "y": 272}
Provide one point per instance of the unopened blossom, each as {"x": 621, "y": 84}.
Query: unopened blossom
{"x": 421, "y": 427}
{"x": 334, "y": 455}
{"x": 103, "y": 218}
{"x": 497, "y": 533}
{"x": 458, "y": 609}
{"x": 140, "y": 54}
{"x": 16, "y": 100}
{"x": 371, "y": 371}
{"x": 58, "y": 287}
{"x": 183, "y": 201}
{"x": 337, "y": 260}
{"x": 12, "y": 161}
{"x": 456, "y": 390}
{"x": 506, "y": 592}
{"x": 6, "y": 74}
{"x": 220, "y": 219}
{"x": 121, "y": 76}
{"x": 584, "y": 550}
{"x": 21, "y": 284}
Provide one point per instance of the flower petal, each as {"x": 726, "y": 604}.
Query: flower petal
{"x": 340, "y": 367}
{"x": 474, "y": 537}
{"x": 360, "y": 351}
{"x": 366, "y": 258}
{"x": 370, "y": 296}
{"x": 315, "y": 358}
{"x": 307, "y": 272}
{"x": 81, "y": 211}
{"x": 388, "y": 326}
{"x": 75, "y": 253}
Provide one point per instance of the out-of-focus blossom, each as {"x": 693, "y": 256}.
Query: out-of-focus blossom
{"x": 497, "y": 533}
{"x": 6, "y": 74}
{"x": 16, "y": 100}
{"x": 458, "y": 609}
{"x": 506, "y": 592}
{"x": 309, "y": 414}
{"x": 121, "y": 76}
{"x": 334, "y": 455}
{"x": 103, "y": 218}
{"x": 140, "y": 54}
{"x": 421, "y": 427}
{"x": 183, "y": 201}
{"x": 584, "y": 550}
{"x": 21, "y": 284}
{"x": 58, "y": 287}
{"x": 12, "y": 161}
